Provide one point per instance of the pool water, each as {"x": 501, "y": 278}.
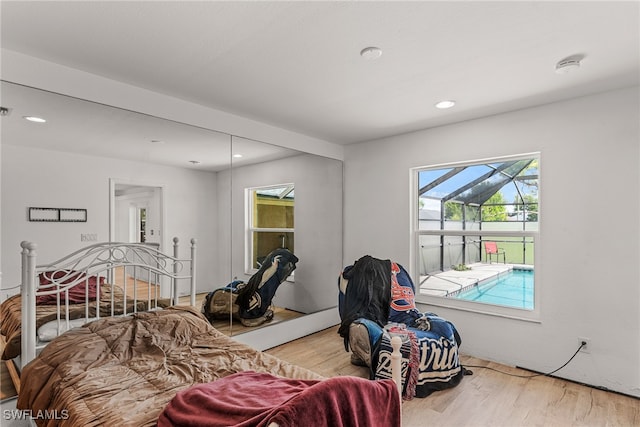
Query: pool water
{"x": 514, "y": 289}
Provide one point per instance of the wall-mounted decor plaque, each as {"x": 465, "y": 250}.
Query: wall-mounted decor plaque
{"x": 57, "y": 215}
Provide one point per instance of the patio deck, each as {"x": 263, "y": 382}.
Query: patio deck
{"x": 452, "y": 281}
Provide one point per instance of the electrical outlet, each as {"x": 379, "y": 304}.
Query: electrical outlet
{"x": 587, "y": 347}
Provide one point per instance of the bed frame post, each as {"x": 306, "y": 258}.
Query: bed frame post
{"x": 396, "y": 363}
{"x": 28, "y": 339}
{"x": 174, "y": 280}
{"x": 193, "y": 272}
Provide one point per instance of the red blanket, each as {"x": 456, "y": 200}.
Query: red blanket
{"x": 258, "y": 399}
{"x": 77, "y": 293}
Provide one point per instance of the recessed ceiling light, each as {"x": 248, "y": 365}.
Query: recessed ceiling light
{"x": 157, "y": 141}
{"x": 237, "y": 156}
{"x": 194, "y": 162}
{"x": 371, "y": 52}
{"x": 445, "y": 104}
{"x": 35, "y": 119}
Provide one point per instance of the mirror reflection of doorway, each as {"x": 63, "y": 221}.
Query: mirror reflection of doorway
{"x": 136, "y": 214}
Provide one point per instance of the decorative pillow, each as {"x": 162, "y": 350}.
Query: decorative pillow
{"x": 77, "y": 293}
{"x": 49, "y": 330}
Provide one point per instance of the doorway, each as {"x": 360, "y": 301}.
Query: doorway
{"x": 136, "y": 213}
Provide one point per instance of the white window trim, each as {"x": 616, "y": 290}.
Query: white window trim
{"x": 462, "y": 305}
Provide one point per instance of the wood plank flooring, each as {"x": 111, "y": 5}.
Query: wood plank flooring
{"x": 486, "y": 398}
{"x": 6, "y": 382}
{"x": 235, "y": 327}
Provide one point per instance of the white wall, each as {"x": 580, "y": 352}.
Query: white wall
{"x": 32, "y": 177}
{"x": 588, "y": 252}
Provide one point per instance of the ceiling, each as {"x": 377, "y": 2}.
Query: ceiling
{"x": 297, "y": 65}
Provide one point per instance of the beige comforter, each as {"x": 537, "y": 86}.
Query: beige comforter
{"x": 122, "y": 371}
{"x": 11, "y": 314}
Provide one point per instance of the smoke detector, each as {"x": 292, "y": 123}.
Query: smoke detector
{"x": 568, "y": 64}
{"x": 371, "y": 52}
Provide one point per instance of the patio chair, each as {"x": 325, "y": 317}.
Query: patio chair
{"x": 491, "y": 249}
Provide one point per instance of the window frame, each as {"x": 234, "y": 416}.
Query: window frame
{"x": 532, "y": 315}
{"x": 250, "y": 229}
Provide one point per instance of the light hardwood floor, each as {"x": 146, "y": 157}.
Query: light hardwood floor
{"x": 486, "y": 398}
{"x": 6, "y": 382}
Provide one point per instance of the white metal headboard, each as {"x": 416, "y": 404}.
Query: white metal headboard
{"x": 99, "y": 260}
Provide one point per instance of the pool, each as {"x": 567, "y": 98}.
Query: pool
{"x": 514, "y": 289}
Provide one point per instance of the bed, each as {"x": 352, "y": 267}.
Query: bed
{"x": 171, "y": 367}
{"x": 100, "y": 280}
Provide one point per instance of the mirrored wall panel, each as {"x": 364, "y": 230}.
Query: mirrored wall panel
{"x": 145, "y": 179}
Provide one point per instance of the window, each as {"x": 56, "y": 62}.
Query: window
{"x": 270, "y": 222}
{"x": 475, "y": 226}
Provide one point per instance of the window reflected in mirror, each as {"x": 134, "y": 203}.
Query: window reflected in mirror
{"x": 270, "y": 222}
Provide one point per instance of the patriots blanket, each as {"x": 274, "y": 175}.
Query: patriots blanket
{"x": 430, "y": 350}
{"x": 430, "y": 354}
{"x": 429, "y": 359}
